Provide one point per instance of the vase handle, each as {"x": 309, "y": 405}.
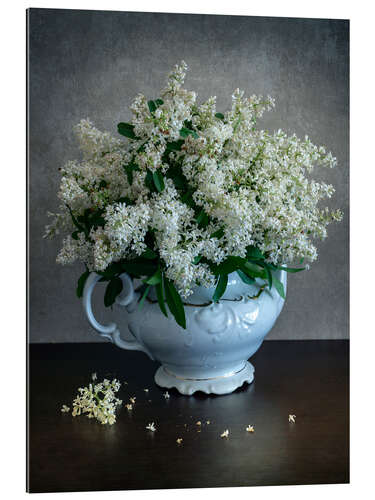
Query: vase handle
{"x": 111, "y": 331}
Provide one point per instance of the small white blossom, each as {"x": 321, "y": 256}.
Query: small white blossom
{"x": 179, "y": 440}
{"x": 65, "y": 409}
{"x": 166, "y": 395}
{"x": 292, "y": 418}
{"x": 151, "y": 427}
{"x": 250, "y": 428}
{"x": 98, "y": 401}
{"x": 225, "y": 434}
{"x": 145, "y": 390}
{"x": 132, "y": 400}
{"x": 94, "y": 376}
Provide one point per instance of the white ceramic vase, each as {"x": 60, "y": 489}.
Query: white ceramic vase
{"x": 211, "y": 354}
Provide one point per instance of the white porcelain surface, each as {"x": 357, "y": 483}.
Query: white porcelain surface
{"x": 211, "y": 354}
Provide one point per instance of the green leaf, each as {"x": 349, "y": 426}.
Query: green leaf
{"x": 221, "y": 287}
{"x": 291, "y": 269}
{"x": 174, "y": 302}
{"x": 75, "y": 235}
{"x": 114, "y": 288}
{"x": 145, "y": 293}
{"x": 160, "y": 296}
{"x": 96, "y": 220}
{"x": 149, "y": 254}
{"x": 175, "y": 145}
{"x": 129, "y": 169}
{"x": 138, "y": 268}
{"x": 151, "y": 106}
{"x": 159, "y": 102}
{"x": 229, "y": 265}
{"x": 202, "y": 219}
{"x": 158, "y": 180}
{"x": 149, "y": 182}
{"x": 269, "y": 276}
{"x": 175, "y": 173}
{"x": 81, "y": 283}
{"x": 220, "y": 116}
{"x": 269, "y": 265}
{"x": 126, "y": 200}
{"x": 75, "y": 221}
{"x": 279, "y": 287}
{"x": 111, "y": 271}
{"x": 155, "y": 279}
{"x": 253, "y": 253}
{"x": 196, "y": 259}
{"x": 187, "y": 198}
{"x": 179, "y": 180}
{"x": 218, "y": 234}
{"x": 184, "y": 132}
{"x": 126, "y": 129}
{"x": 245, "y": 278}
{"x": 254, "y": 270}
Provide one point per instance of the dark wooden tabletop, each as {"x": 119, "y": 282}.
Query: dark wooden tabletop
{"x": 306, "y": 378}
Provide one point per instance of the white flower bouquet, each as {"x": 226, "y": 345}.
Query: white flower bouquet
{"x": 189, "y": 195}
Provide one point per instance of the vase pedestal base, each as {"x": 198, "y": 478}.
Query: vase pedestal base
{"x": 216, "y": 385}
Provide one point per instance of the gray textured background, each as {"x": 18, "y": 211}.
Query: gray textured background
{"x": 92, "y": 64}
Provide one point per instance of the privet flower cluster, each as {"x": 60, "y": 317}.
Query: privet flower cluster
{"x": 189, "y": 189}
{"x": 97, "y": 401}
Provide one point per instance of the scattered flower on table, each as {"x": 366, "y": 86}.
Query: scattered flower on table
{"x": 208, "y": 422}
{"x": 166, "y": 395}
{"x": 250, "y": 428}
{"x": 179, "y": 440}
{"x": 98, "y": 401}
{"x": 198, "y": 423}
{"x": 145, "y": 390}
{"x": 225, "y": 434}
{"x": 151, "y": 427}
{"x": 292, "y": 418}
{"x": 65, "y": 409}
{"x": 132, "y": 400}
{"x": 129, "y": 406}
